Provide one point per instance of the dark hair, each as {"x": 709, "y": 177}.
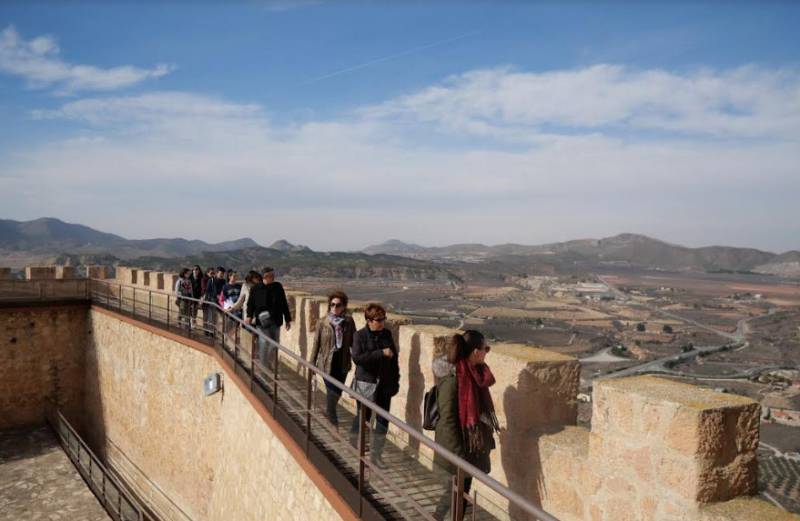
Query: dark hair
{"x": 462, "y": 345}
{"x": 373, "y": 311}
{"x": 210, "y": 268}
{"x": 268, "y": 269}
{"x": 198, "y": 268}
{"x": 252, "y": 275}
{"x": 184, "y": 271}
{"x": 221, "y": 268}
{"x": 229, "y": 273}
{"x": 338, "y": 294}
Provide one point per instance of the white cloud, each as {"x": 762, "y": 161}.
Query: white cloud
{"x": 169, "y": 156}
{"x": 742, "y": 102}
{"x": 38, "y": 61}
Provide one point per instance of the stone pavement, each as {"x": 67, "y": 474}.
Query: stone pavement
{"x": 39, "y": 482}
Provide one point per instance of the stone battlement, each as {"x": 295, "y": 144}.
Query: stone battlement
{"x": 656, "y": 450}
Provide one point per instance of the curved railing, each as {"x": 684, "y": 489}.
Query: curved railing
{"x": 227, "y": 336}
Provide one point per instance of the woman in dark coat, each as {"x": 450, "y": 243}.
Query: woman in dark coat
{"x": 377, "y": 373}
{"x": 467, "y": 421}
{"x": 331, "y": 349}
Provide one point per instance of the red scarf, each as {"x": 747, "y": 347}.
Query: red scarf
{"x": 473, "y": 393}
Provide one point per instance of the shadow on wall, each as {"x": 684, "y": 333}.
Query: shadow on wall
{"x": 416, "y": 390}
{"x": 92, "y": 429}
{"x": 302, "y": 328}
{"x": 529, "y": 415}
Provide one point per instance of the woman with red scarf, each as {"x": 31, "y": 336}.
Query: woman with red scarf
{"x": 467, "y": 421}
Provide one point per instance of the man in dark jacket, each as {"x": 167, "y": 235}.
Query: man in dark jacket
{"x": 377, "y": 369}
{"x": 268, "y": 309}
{"x": 212, "y": 291}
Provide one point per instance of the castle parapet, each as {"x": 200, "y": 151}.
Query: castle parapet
{"x": 657, "y": 450}
{"x": 40, "y": 272}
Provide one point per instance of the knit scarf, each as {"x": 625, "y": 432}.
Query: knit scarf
{"x": 473, "y": 399}
{"x": 336, "y": 321}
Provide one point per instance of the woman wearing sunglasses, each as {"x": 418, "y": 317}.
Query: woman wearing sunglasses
{"x": 377, "y": 375}
{"x": 331, "y": 349}
{"x": 467, "y": 421}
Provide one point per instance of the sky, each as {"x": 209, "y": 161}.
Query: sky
{"x": 343, "y": 124}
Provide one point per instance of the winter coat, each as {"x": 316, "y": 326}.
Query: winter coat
{"x": 448, "y": 429}
{"x": 371, "y": 364}
{"x": 325, "y": 345}
{"x": 241, "y": 302}
{"x": 269, "y": 297}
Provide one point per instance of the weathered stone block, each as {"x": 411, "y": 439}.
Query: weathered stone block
{"x": 66, "y": 272}
{"x": 40, "y": 272}
{"x": 703, "y": 443}
{"x": 97, "y": 272}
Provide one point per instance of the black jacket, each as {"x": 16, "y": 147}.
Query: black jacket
{"x": 371, "y": 364}
{"x": 269, "y": 297}
{"x": 213, "y": 288}
{"x": 197, "y": 286}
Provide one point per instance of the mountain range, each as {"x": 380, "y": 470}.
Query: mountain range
{"x": 625, "y": 249}
{"x": 54, "y": 241}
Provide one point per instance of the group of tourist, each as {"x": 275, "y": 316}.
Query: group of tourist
{"x": 466, "y": 419}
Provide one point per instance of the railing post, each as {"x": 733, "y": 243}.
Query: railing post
{"x": 134, "y": 303}
{"x": 150, "y": 306}
{"x": 362, "y": 450}
{"x": 224, "y": 329}
{"x": 169, "y": 298}
{"x": 120, "y": 298}
{"x": 108, "y": 296}
{"x": 309, "y": 401}
{"x": 458, "y": 508}
{"x": 275, "y": 382}
{"x": 253, "y": 347}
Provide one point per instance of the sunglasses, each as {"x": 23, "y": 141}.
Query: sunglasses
{"x": 337, "y": 304}
{"x": 382, "y": 319}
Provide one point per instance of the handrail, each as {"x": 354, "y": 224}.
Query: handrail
{"x": 57, "y": 422}
{"x": 462, "y": 466}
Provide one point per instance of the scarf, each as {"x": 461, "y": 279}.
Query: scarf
{"x": 336, "y": 322}
{"x": 473, "y": 401}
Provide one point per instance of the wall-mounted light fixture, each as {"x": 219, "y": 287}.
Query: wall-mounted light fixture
{"x": 212, "y": 384}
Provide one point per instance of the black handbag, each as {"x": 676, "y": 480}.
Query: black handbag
{"x": 430, "y": 410}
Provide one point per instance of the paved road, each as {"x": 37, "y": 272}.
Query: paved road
{"x": 659, "y": 365}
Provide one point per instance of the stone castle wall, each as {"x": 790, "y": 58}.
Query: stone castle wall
{"x": 215, "y": 457}
{"x": 42, "y": 352}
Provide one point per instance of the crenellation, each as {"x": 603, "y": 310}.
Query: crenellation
{"x": 66, "y": 272}
{"x": 40, "y": 272}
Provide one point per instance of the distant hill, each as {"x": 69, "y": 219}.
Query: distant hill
{"x": 308, "y": 263}
{"x": 48, "y": 237}
{"x": 625, "y": 249}
{"x": 286, "y": 246}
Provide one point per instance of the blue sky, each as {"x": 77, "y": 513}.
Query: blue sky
{"x": 439, "y": 123}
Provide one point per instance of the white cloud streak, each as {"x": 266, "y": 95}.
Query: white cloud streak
{"x": 39, "y": 63}
{"x": 569, "y": 172}
{"x": 742, "y": 102}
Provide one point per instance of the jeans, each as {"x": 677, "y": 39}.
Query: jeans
{"x": 334, "y": 393}
{"x": 381, "y": 423}
{"x": 266, "y": 351}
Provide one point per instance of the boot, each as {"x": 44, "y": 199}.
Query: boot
{"x": 376, "y": 448}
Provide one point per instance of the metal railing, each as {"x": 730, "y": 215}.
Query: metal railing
{"x": 119, "y": 504}
{"x": 288, "y": 381}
